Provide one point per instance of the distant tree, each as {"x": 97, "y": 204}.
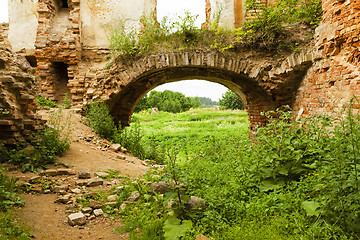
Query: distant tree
{"x": 167, "y": 101}
{"x": 229, "y": 100}
{"x": 207, "y": 102}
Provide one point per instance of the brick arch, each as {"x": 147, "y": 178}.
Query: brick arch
{"x": 253, "y": 77}
{"x": 255, "y": 98}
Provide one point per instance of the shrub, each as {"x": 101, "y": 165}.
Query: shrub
{"x": 100, "y": 120}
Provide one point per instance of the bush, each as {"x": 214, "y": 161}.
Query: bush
{"x": 98, "y": 115}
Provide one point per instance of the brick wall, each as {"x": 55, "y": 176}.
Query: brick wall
{"x": 17, "y": 99}
{"x": 334, "y": 78}
{"x": 52, "y": 46}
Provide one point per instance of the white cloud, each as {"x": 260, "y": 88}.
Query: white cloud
{"x": 172, "y": 8}
{"x": 4, "y": 11}
{"x": 195, "y": 88}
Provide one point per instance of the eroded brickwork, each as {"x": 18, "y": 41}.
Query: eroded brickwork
{"x": 17, "y": 99}
{"x": 334, "y": 78}
{"x": 252, "y": 76}
{"x": 58, "y": 40}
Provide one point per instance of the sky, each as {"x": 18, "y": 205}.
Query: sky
{"x": 190, "y": 88}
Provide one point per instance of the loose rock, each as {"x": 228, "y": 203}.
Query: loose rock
{"x": 87, "y": 210}
{"x": 112, "y": 198}
{"x": 115, "y": 147}
{"x": 134, "y": 196}
{"x": 95, "y": 204}
{"x": 160, "y": 187}
{"x": 98, "y": 212}
{"x": 76, "y": 219}
{"x": 84, "y": 174}
{"x": 95, "y": 182}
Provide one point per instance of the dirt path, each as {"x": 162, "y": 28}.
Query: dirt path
{"x": 87, "y": 152}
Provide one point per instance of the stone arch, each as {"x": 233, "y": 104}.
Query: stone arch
{"x": 259, "y": 80}
{"x": 254, "y": 97}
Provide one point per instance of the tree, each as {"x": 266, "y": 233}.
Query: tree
{"x": 168, "y": 101}
{"x": 229, "y": 100}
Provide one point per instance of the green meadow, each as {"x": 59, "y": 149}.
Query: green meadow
{"x": 191, "y": 130}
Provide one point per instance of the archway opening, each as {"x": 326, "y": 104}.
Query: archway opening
{"x": 61, "y": 79}
{"x": 254, "y": 97}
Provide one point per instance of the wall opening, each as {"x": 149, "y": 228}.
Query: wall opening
{"x": 61, "y": 79}
{"x": 32, "y": 60}
{"x": 64, "y": 4}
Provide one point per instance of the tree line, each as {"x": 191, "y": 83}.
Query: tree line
{"x": 176, "y": 102}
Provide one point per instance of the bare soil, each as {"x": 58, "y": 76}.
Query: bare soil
{"x": 47, "y": 219}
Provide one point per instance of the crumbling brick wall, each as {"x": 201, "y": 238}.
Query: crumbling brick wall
{"x": 18, "y": 120}
{"x": 335, "y": 77}
{"x": 52, "y": 46}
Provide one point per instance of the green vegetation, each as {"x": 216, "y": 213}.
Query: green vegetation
{"x": 167, "y": 101}
{"x": 53, "y": 141}
{"x": 292, "y": 180}
{"x": 45, "y": 102}
{"x": 8, "y": 199}
{"x": 266, "y": 30}
{"x": 229, "y": 100}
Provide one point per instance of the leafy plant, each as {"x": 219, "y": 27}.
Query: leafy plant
{"x": 45, "y": 102}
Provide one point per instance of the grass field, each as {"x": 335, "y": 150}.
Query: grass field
{"x": 193, "y": 129}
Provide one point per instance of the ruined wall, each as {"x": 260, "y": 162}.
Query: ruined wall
{"x": 23, "y": 22}
{"x": 99, "y": 18}
{"x": 17, "y": 99}
{"x": 335, "y": 76}
{"x": 227, "y": 13}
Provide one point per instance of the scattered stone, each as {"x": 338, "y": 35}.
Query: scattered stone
{"x": 81, "y": 182}
{"x": 112, "y": 198}
{"x": 135, "y": 195}
{"x": 92, "y": 217}
{"x": 95, "y": 204}
{"x": 121, "y": 157}
{"x": 98, "y": 212}
{"x": 110, "y": 203}
{"x": 115, "y": 147}
{"x": 77, "y": 219}
{"x": 195, "y": 202}
{"x": 47, "y": 191}
{"x": 76, "y": 190}
{"x": 87, "y": 210}
{"x": 84, "y": 174}
{"x": 160, "y": 187}
{"x": 123, "y": 206}
{"x": 124, "y": 150}
{"x": 49, "y": 172}
{"x": 130, "y": 160}
{"x": 63, "y": 199}
{"x": 64, "y": 171}
{"x": 95, "y": 182}
{"x": 119, "y": 189}
{"x": 34, "y": 179}
{"x": 102, "y": 174}
{"x": 61, "y": 188}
